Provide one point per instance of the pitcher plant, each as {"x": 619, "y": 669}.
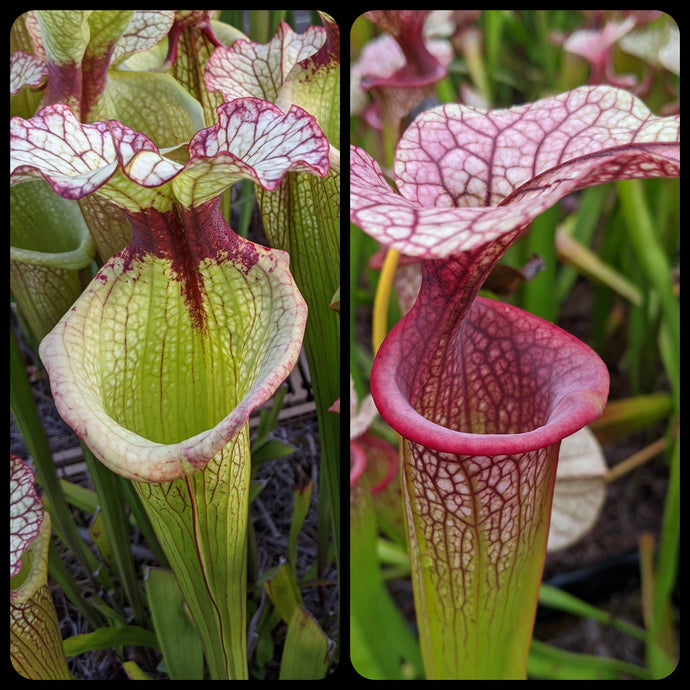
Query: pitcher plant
{"x": 35, "y": 640}
{"x": 302, "y": 216}
{"x": 159, "y": 363}
{"x": 480, "y": 392}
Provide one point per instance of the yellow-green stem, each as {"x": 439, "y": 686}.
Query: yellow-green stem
{"x": 201, "y": 522}
{"x": 382, "y": 298}
{"x": 476, "y": 569}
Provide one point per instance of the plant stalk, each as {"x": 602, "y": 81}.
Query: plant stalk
{"x": 476, "y": 572}
{"x": 201, "y": 522}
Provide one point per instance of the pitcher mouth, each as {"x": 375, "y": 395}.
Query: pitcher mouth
{"x": 120, "y": 437}
{"x": 574, "y": 398}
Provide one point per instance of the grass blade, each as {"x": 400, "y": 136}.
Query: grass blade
{"x": 177, "y": 635}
